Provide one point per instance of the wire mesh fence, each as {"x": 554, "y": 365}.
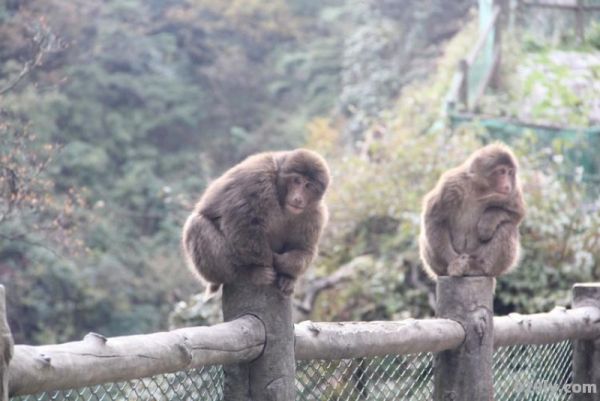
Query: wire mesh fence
{"x": 370, "y": 379}
{"x": 523, "y": 372}
{"x": 533, "y": 372}
{"x": 204, "y": 384}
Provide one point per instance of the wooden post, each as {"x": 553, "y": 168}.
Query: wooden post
{"x": 465, "y": 373}
{"x": 463, "y": 93}
{"x": 497, "y": 53}
{"x": 271, "y": 377}
{"x": 513, "y": 10}
{"x": 6, "y": 347}
{"x": 579, "y": 21}
{"x": 586, "y": 353}
{"x": 504, "y": 6}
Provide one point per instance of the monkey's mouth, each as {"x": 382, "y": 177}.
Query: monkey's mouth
{"x": 295, "y": 209}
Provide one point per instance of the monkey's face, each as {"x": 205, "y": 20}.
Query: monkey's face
{"x": 502, "y": 179}
{"x": 300, "y": 193}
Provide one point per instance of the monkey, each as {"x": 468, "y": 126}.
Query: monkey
{"x": 264, "y": 216}
{"x": 470, "y": 219}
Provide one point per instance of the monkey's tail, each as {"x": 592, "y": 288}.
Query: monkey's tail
{"x": 211, "y": 291}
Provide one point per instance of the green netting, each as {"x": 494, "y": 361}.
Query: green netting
{"x": 578, "y": 146}
{"x": 524, "y": 373}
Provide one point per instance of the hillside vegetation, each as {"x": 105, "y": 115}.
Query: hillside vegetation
{"x": 116, "y": 114}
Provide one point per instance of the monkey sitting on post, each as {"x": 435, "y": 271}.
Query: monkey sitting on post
{"x": 265, "y": 215}
{"x": 469, "y": 221}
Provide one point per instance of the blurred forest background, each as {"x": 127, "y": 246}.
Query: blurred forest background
{"x": 115, "y": 114}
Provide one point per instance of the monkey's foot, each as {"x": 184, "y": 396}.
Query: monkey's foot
{"x": 286, "y": 284}
{"x": 482, "y": 267}
{"x": 263, "y": 275}
{"x": 459, "y": 266}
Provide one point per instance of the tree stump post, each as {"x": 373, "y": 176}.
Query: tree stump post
{"x": 586, "y": 353}
{"x": 497, "y": 53}
{"x": 579, "y": 22}
{"x": 463, "y": 93}
{"x": 6, "y": 346}
{"x": 465, "y": 373}
{"x": 271, "y": 377}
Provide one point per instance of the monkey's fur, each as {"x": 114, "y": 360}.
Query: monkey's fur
{"x": 469, "y": 221}
{"x": 265, "y": 214}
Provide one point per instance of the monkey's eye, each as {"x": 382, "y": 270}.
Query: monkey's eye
{"x": 297, "y": 180}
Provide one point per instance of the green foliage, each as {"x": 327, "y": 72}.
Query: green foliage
{"x": 593, "y": 35}
{"x": 375, "y": 207}
{"x": 145, "y": 102}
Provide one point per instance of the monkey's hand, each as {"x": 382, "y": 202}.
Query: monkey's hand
{"x": 286, "y": 284}
{"x": 293, "y": 263}
{"x": 485, "y": 231}
{"x": 459, "y": 266}
{"x": 263, "y": 275}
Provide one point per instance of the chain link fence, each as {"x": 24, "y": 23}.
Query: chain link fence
{"x": 204, "y": 384}
{"x": 523, "y": 372}
{"x": 386, "y": 378}
{"x": 533, "y": 372}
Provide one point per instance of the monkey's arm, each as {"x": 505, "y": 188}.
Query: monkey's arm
{"x": 501, "y": 253}
{"x": 437, "y": 227}
{"x": 511, "y": 204}
{"x": 290, "y": 265}
{"x": 500, "y": 209}
{"x": 489, "y": 222}
{"x": 293, "y": 263}
{"x": 301, "y": 249}
{"x": 246, "y": 232}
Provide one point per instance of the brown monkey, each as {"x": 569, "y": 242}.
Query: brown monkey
{"x": 469, "y": 223}
{"x": 265, "y": 214}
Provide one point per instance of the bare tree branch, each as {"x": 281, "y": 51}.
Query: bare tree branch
{"x": 315, "y": 286}
{"x": 44, "y": 42}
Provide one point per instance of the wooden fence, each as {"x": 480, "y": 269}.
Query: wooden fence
{"x": 465, "y": 92}
{"x": 467, "y": 88}
{"x": 578, "y": 7}
{"x": 258, "y": 345}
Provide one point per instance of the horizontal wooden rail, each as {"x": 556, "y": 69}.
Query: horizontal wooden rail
{"x": 97, "y": 360}
{"x": 546, "y": 328}
{"x": 560, "y": 5}
{"x": 368, "y": 339}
